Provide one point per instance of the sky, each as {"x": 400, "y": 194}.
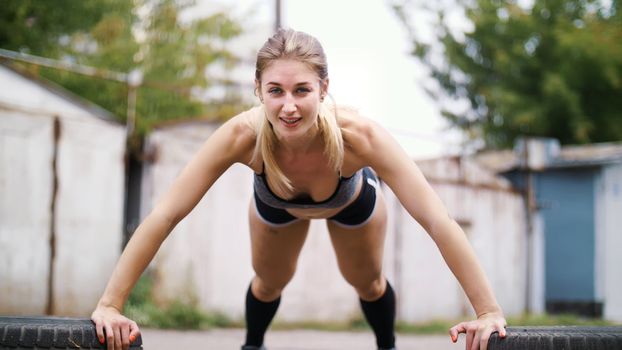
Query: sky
{"x": 368, "y": 61}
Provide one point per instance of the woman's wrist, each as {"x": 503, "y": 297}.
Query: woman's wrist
{"x": 105, "y": 302}
{"x": 495, "y": 310}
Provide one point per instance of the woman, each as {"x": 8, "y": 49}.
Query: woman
{"x": 311, "y": 161}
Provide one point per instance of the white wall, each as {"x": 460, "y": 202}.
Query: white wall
{"x": 609, "y": 241}
{"x": 88, "y": 211}
{"x": 538, "y": 274}
{"x": 208, "y": 255}
{"x": 25, "y": 216}
{"x": 492, "y": 217}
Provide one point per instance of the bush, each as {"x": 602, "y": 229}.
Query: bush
{"x": 141, "y": 308}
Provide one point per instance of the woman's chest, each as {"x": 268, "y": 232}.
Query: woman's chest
{"x": 311, "y": 178}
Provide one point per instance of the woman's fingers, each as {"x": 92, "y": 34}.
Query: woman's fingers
{"x": 99, "y": 329}
{"x": 483, "y": 333}
{"x": 125, "y": 335}
{"x": 134, "y": 331}
{"x": 502, "y": 331}
{"x": 116, "y": 330}
{"x": 478, "y": 332}
{"x": 117, "y": 337}
{"x": 456, "y": 330}
{"x": 481, "y": 338}
{"x": 470, "y": 335}
{"x": 109, "y": 336}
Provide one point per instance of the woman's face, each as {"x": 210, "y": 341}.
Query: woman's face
{"x": 291, "y": 93}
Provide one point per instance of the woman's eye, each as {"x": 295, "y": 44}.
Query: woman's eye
{"x": 276, "y": 91}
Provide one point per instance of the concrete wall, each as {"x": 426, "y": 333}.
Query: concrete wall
{"x": 207, "y": 257}
{"x": 84, "y": 216}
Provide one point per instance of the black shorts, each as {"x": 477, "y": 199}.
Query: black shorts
{"x": 354, "y": 215}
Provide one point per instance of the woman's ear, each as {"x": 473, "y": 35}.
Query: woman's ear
{"x": 323, "y": 88}
{"x": 258, "y": 90}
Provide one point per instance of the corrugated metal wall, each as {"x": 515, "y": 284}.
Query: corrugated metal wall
{"x": 89, "y": 212}
{"x": 493, "y": 218}
{"x": 63, "y": 197}
{"x": 609, "y": 241}
{"x": 26, "y": 154}
{"x": 61, "y": 200}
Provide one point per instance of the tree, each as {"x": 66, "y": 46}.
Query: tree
{"x": 176, "y": 60}
{"x": 174, "y": 56}
{"x": 551, "y": 69}
{"x": 37, "y": 27}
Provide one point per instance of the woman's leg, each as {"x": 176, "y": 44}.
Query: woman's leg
{"x": 275, "y": 252}
{"x": 359, "y": 255}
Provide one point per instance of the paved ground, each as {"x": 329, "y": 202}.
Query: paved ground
{"x": 155, "y": 339}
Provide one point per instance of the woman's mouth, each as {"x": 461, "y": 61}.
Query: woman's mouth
{"x": 290, "y": 122}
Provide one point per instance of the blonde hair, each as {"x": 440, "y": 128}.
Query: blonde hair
{"x": 302, "y": 47}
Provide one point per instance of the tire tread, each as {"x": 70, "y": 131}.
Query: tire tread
{"x": 558, "y": 338}
{"x": 51, "y": 332}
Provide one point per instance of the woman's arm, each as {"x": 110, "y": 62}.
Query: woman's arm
{"x": 381, "y": 151}
{"x": 231, "y": 143}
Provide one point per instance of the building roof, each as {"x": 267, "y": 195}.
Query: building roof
{"x": 59, "y": 91}
{"x": 462, "y": 171}
{"x": 571, "y": 156}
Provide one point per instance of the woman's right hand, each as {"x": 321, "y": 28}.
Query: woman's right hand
{"x": 120, "y": 331}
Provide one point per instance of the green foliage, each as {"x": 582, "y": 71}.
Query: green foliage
{"x": 141, "y": 308}
{"x": 431, "y": 327}
{"x": 553, "y": 69}
{"x": 185, "y": 315}
{"x": 442, "y": 326}
{"x": 37, "y": 27}
{"x": 174, "y": 56}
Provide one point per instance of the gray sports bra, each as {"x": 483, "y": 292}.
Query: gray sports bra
{"x": 344, "y": 192}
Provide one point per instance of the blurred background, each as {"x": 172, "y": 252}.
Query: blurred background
{"x": 513, "y": 110}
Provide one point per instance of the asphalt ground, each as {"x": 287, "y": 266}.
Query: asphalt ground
{"x": 156, "y": 339}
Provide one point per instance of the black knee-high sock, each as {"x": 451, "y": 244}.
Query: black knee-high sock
{"x": 259, "y": 314}
{"x": 380, "y": 314}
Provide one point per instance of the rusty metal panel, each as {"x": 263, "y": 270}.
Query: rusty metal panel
{"x": 25, "y": 196}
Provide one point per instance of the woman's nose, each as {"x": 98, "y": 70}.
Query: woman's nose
{"x": 289, "y": 105}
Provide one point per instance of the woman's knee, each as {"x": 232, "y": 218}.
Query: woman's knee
{"x": 268, "y": 289}
{"x": 370, "y": 288}
{"x": 274, "y": 273}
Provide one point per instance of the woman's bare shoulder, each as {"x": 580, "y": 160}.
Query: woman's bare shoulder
{"x": 358, "y": 131}
{"x": 241, "y": 131}
{"x": 246, "y": 124}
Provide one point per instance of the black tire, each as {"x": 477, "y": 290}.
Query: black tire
{"x": 51, "y": 332}
{"x": 558, "y": 338}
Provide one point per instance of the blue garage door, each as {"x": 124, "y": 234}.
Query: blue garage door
{"x": 567, "y": 198}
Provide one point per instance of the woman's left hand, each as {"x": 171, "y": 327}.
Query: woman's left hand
{"x": 478, "y": 331}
